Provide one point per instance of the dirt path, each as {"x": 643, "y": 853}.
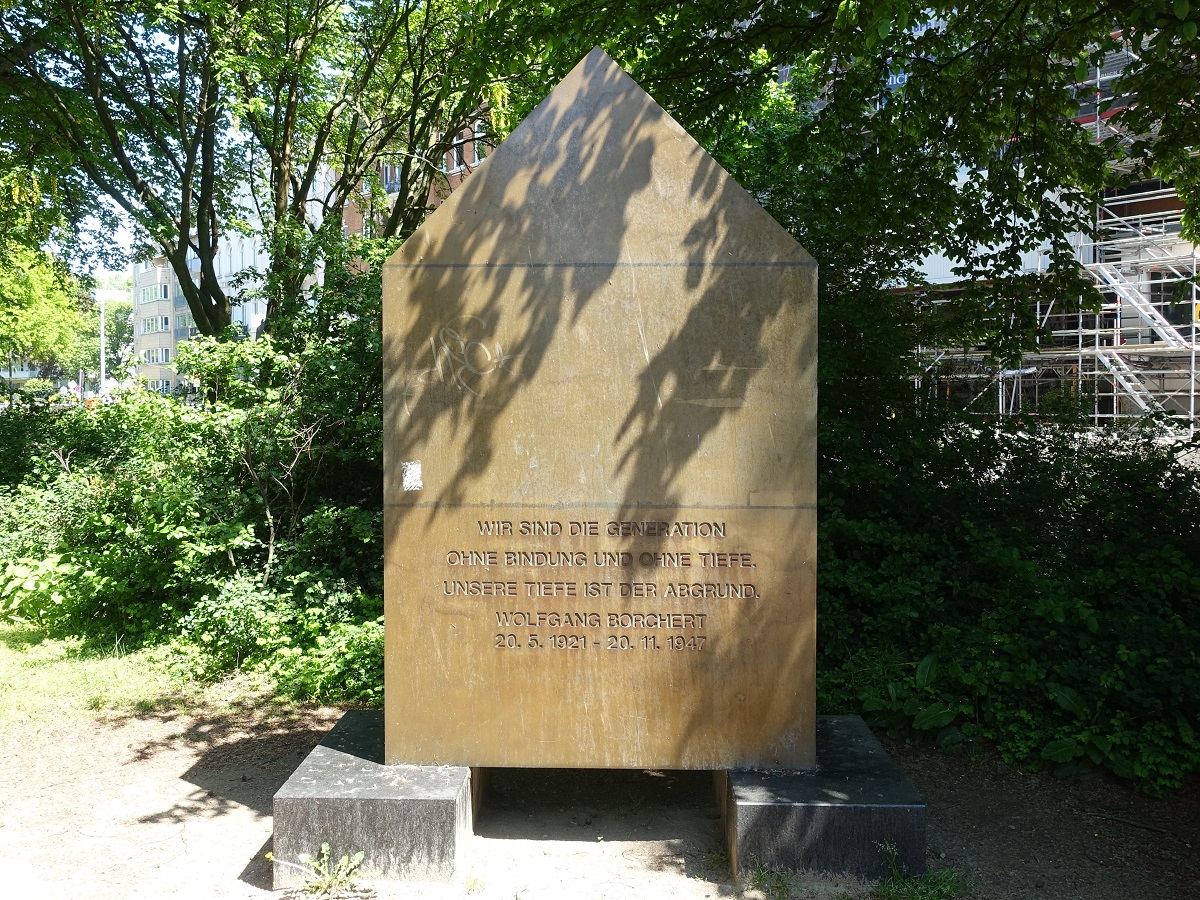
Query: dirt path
{"x": 171, "y": 804}
{"x": 1025, "y": 837}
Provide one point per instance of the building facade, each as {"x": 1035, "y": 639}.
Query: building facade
{"x": 161, "y": 317}
{"x": 1136, "y": 353}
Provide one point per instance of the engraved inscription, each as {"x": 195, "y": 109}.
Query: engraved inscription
{"x": 714, "y": 577}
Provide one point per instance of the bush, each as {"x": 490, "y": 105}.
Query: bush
{"x": 1032, "y": 587}
{"x": 346, "y": 665}
{"x": 245, "y": 523}
{"x": 136, "y": 503}
{"x": 235, "y": 624}
{"x": 38, "y": 388}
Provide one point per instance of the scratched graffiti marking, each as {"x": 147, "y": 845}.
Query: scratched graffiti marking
{"x": 461, "y": 357}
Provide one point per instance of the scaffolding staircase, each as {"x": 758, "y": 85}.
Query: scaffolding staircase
{"x": 1128, "y": 380}
{"x": 1111, "y": 278}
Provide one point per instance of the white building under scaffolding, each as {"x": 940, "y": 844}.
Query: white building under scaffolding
{"x": 1136, "y": 353}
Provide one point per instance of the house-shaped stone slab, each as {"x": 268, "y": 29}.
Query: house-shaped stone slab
{"x": 600, "y": 456}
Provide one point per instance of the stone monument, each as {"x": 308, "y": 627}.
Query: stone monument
{"x": 600, "y": 472}
{"x": 600, "y": 456}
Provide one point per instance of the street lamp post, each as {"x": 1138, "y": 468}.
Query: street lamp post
{"x": 100, "y": 388}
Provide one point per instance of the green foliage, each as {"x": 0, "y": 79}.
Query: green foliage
{"x": 30, "y": 585}
{"x": 345, "y": 665}
{"x": 137, "y": 500}
{"x": 84, "y": 350}
{"x": 1164, "y": 34}
{"x": 1029, "y": 587}
{"x": 38, "y": 388}
{"x": 243, "y": 525}
{"x": 27, "y": 214}
{"x": 45, "y": 678}
{"x": 39, "y": 312}
{"x": 234, "y": 623}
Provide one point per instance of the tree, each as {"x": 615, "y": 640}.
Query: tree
{"x": 928, "y": 127}
{"x": 957, "y": 115}
{"x": 83, "y": 353}
{"x": 131, "y": 95}
{"x": 331, "y": 91}
{"x": 200, "y": 119}
{"x": 39, "y": 313}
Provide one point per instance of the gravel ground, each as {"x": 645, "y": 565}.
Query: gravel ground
{"x": 173, "y": 804}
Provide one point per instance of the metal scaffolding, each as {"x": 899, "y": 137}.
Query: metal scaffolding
{"x": 1136, "y": 353}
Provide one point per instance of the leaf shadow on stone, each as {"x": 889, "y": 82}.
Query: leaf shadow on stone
{"x": 489, "y": 301}
{"x": 488, "y": 311}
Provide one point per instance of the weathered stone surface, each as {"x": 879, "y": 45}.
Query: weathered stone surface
{"x": 410, "y": 821}
{"x": 837, "y": 819}
{"x": 600, "y": 330}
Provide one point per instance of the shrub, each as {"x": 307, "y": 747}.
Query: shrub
{"x": 235, "y": 623}
{"x": 1033, "y": 587}
{"x": 345, "y": 665}
{"x": 135, "y": 502}
{"x": 38, "y": 388}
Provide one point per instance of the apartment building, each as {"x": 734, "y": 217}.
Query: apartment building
{"x": 17, "y": 371}
{"x": 162, "y": 320}
{"x": 468, "y": 149}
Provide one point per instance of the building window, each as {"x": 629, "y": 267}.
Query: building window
{"x": 480, "y": 140}
{"x": 155, "y": 324}
{"x": 160, "y": 385}
{"x": 390, "y": 175}
{"x": 154, "y": 292}
{"x": 185, "y": 327}
{"x": 157, "y": 355}
{"x": 460, "y": 160}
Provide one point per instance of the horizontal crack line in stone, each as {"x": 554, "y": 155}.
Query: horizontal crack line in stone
{"x": 605, "y": 265}
{"x": 434, "y": 504}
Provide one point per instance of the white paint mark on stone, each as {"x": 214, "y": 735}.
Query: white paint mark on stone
{"x": 410, "y": 475}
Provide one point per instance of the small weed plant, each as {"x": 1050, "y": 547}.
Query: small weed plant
{"x": 774, "y": 884}
{"x": 329, "y": 880}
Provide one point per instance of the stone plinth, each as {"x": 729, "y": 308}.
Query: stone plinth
{"x": 410, "y": 821}
{"x": 837, "y": 819}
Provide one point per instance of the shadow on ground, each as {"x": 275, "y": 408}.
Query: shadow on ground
{"x": 244, "y": 755}
{"x": 259, "y": 872}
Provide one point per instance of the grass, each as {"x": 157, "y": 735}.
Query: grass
{"x": 940, "y": 884}
{"x": 45, "y": 678}
{"x": 713, "y": 866}
{"x": 773, "y": 884}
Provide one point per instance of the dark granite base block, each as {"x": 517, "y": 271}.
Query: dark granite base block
{"x": 836, "y": 819}
{"x": 410, "y": 821}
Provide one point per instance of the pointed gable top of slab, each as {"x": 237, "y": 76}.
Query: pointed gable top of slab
{"x": 599, "y": 171}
